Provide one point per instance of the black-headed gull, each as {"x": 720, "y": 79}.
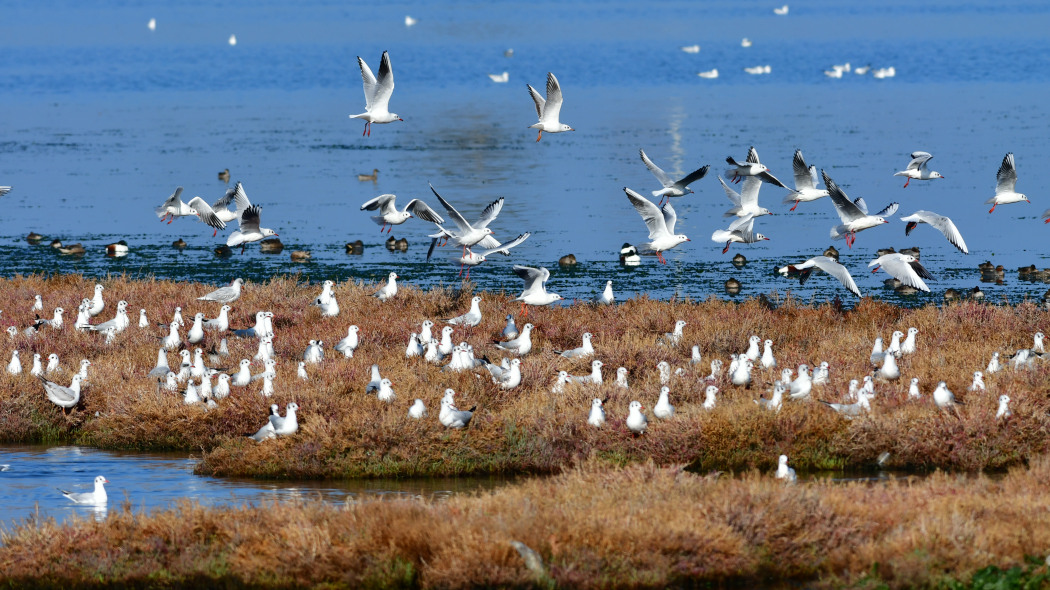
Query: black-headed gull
{"x": 535, "y": 292}
{"x": 548, "y": 110}
{"x": 1004, "y": 408}
{"x": 854, "y": 214}
{"x": 708, "y": 74}
{"x": 15, "y": 366}
{"x": 917, "y": 168}
{"x": 287, "y": 425}
{"x": 1005, "y": 183}
{"x": 374, "y": 380}
{"x": 675, "y": 335}
{"x": 709, "y": 397}
{"x": 389, "y": 289}
{"x": 520, "y": 344}
{"x": 940, "y": 223}
{"x": 903, "y": 267}
{"x": 660, "y": 221}
{"x": 349, "y": 343}
{"x": 207, "y": 215}
{"x": 417, "y": 410}
{"x": 636, "y": 420}
{"x": 768, "y": 361}
{"x": 595, "y": 376}
{"x": 908, "y": 346}
{"x": 862, "y": 405}
{"x": 510, "y": 331}
{"x": 472, "y": 317}
{"x": 249, "y": 229}
{"x": 596, "y": 417}
{"x": 746, "y": 201}
{"x": 4, "y": 190}
{"x": 500, "y": 78}
{"x": 63, "y": 397}
{"x": 805, "y": 182}
{"x": 824, "y": 263}
{"x": 227, "y": 294}
{"x": 621, "y": 377}
{"x": 386, "y": 392}
{"x": 585, "y": 349}
{"x": 607, "y": 297}
{"x": 468, "y": 234}
{"x": 751, "y": 167}
{"x": 672, "y": 187}
{"x": 97, "y": 303}
{"x": 470, "y": 259}
{"x": 97, "y": 497}
{"x": 377, "y": 94}
{"x": 390, "y": 216}
{"x": 978, "y": 382}
{"x": 663, "y": 408}
{"x": 783, "y": 471}
{"x": 173, "y": 207}
{"x": 38, "y": 367}
{"x": 740, "y": 231}
{"x": 782, "y": 11}
{"x": 944, "y": 398}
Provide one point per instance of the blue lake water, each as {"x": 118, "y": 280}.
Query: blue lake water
{"x": 102, "y": 118}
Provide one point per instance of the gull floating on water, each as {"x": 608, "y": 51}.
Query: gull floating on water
{"x": 690, "y": 48}
{"x": 783, "y": 10}
{"x": 940, "y": 223}
{"x": 548, "y": 110}
{"x": 660, "y": 221}
{"x": 500, "y": 78}
{"x": 709, "y": 74}
{"x": 754, "y": 70}
{"x": 390, "y": 216}
{"x": 671, "y": 187}
{"x": 854, "y": 214}
{"x": 903, "y": 267}
{"x": 97, "y": 497}
{"x": 377, "y": 94}
{"x": 805, "y": 183}
{"x": 917, "y": 168}
{"x": 1005, "y": 183}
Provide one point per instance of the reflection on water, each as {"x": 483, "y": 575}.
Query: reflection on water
{"x": 30, "y": 485}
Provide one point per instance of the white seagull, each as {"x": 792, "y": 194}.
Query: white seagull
{"x": 1005, "y": 182}
{"x": 377, "y": 94}
{"x": 469, "y": 234}
{"x": 472, "y": 317}
{"x": 805, "y": 183}
{"x": 854, "y": 214}
{"x": 500, "y": 78}
{"x": 97, "y": 497}
{"x": 824, "y": 263}
{"x": 390, "y": 216}
{"x": 596, "y": 418}
{"x": 783, "y": 471}
{"x": 174, "y": 207}
{"x": 660, "y": 221}
{"x": 349, "y": 343}
{"x": 63, "y": 397}
{"x": 521, "y": 344}
{"x": 548, "y": 110}
{"x": 741, "y": 231}
{"x": 227, "y": 294}
{"x": 917, "y": 168}
{"x": 585, "y": 349}
{"x": 672, "y": 188}
{"x": 389, "y": 289}
{"x": 746, "y": 201}
{"x": 903, "y": 267}
{"x": 248, "y": 229}
{"x": 607, "y": 297}
{"x": 636, "y": 420}
{"x": 535, "y": 293}
{"x": 751, "y": 167}
{"x": 940, "y": 223}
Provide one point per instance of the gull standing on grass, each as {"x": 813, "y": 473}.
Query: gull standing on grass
{"x": 940, "y": 223}
{"x": 535, "y": 292}
{"x": 672, "y": 188}
{"x": 663, "y": 408}
{"x": 471, "y": 318}
{"x": 854, "y": 214}
{"x": 287, "y": 425}
{"x": 596, "y": 418}
{"x": 510, "y": 331}
{"x": 585, "y": 349}
{"x": 349, "y": 343}
{"x": 417, "y": 410}
{"x": 97, "y": 497}
{"x": 607, "y": 297}
{"x": 248, "y": 229}
{"x": 389, "y": 289}
{"x": 805, "y": 183}
{"x": 390, "y": 216}
{"x": 636, "y": 420}
{"x": 595, "y": 376}
{"x": 824, "y": 263}
{"x": 944, "y": 398}
{"x": 377, "y": 94}
{"x": 751, "y": 167}
{"x": 917, "y": 168}
{"x": 97, "y": 303}
{"x": 63, "y": 397}
{"x": 1005, "y": 183}
{"x": 548, "y": 110}
{"x": 660, "y": 221}
{"x": 1004, "y": 408}
{"x": 903, "y": 267}
{"x": 521, "y": 345}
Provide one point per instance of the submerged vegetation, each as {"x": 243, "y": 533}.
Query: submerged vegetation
{"x": 591, "y": 527}
{"x": 346, "y": 433}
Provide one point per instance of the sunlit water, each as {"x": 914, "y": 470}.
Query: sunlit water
{"x": 31, "y": 477}
{"x": 103, "y": 118}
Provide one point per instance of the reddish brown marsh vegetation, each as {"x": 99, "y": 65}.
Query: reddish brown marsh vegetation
{"x": 346, "y": 433}
{"x": 593, "y": 526}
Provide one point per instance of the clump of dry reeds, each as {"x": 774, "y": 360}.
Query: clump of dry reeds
{"x": 345, "y": 433}
{"x": 593, "y": 527}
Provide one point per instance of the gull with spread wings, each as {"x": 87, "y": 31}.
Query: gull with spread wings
{"x": 660, "y": 221}
{"x": 672, "y": 188}
{"x": 377, "y": 94}
{"x": 548, "y": 110}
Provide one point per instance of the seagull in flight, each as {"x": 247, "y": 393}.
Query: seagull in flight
{"x": 535, "y": 293}
{"x": 746, "y": 201}
{"x": 377, "y": 94}
{"x": 468, "y": 234}
{"x": 917, "y": 168}
{"x": 672, "y": 188}
{"x": 751, "y": 167}
{"x": 660, "y": 221}
{"x": 824, "y": 263}
{"x": 174, "y": 207}
{"x": 249, "y": 230}
{"x": 903, "y": 267}
{"x": 742, "y": 230}
{"x": 390, "y": 216}
{"x": 1005, "y": 182}
{"x": 805, "y": 182}
{"x": 939, "y": 222}
{"x": 548, "y": 110}
{"x": 854, "y": 214}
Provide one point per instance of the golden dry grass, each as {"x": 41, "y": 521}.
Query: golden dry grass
{"x": 345, "y": 433}
{"x": 593, "y": 526}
